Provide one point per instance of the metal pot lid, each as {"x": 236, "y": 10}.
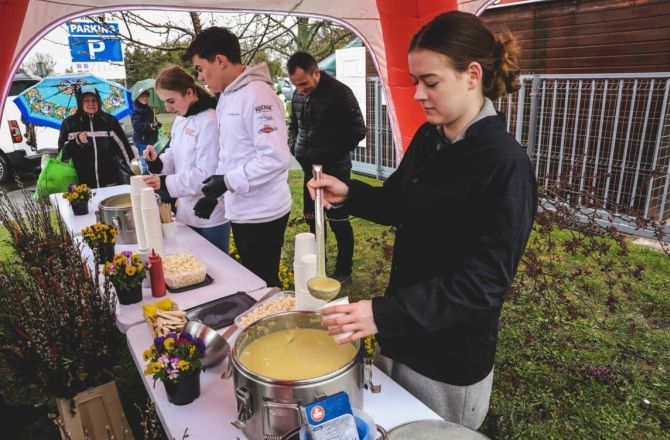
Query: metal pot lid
{"x": 119, "y": 201}
{"x": 433, "y": 430}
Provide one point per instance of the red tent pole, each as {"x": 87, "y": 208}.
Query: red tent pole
{"x": 400, "y": 20}
{"x": 12, "y": 14}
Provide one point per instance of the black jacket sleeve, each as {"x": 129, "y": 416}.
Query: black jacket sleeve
{"x": 484, "y": 272}
{"x": 139, "y": 124}
{"x": 118, "y": 131}
{"x": 292, "y": 130}
{"x": 64, "y": 144}
{"x": 353, "y": 125}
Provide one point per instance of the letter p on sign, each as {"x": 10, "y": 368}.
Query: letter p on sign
{"x": 95, "y": 46}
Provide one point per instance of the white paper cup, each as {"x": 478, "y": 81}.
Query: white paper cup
{"x": 168, "y": 230}
{"x": 337, "y": 302}
{"x": 305, "y": 244}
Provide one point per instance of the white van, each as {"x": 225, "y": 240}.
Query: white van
{"x": 21, "y": 145}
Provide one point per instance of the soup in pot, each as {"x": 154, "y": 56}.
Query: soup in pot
{"x": 296, "y": 354}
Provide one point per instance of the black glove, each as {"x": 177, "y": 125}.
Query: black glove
{"x": 214, "y": 186}
{"x": 155, "y": 166}
{"x": 204, "y": 207}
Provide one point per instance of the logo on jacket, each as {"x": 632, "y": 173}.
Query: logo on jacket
{"x": 263, "y": 108}
{"x": 267, "y": 129}
{"x": 190, "y": 131}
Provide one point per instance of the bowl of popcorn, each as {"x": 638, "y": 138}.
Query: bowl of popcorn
{"x": 183, "y": 270}
{"x": 278, "y": 303}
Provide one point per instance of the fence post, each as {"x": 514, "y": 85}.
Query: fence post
{"x": 378, "y": 128}
{"x": 532, "y": 117}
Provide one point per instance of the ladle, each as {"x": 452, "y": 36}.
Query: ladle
{"x": 321, "y": 286}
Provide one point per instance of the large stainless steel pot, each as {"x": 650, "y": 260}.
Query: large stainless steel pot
{"x": 118, "y": 212}
{"x": 267, "y": 408}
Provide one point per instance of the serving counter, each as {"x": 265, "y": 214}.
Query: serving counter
{"x": 210, "y": 415}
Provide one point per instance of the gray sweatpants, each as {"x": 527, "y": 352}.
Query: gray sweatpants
{"x": 465, "y": 405}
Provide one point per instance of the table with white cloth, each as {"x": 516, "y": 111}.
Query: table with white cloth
{"x": 76, "y": 223}
{"x": 211, "y": 414}
{"x": 228, "y": 275}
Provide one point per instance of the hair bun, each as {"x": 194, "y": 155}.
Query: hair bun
{"x": 506, "y": 66}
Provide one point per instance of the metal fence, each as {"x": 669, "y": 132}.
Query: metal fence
{"x": 607, "y": 136}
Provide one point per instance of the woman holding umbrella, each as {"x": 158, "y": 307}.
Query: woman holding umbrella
{"x": 145, "y": 125}
{"x": 95, "y": 142}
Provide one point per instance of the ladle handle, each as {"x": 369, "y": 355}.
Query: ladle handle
{"x": 319, "y": 226}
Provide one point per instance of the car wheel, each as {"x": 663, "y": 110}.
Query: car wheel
{"x": 5, "y": 170}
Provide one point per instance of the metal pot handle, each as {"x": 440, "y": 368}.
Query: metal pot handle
{"x": 97, "y": 217}
{"x": 116, "y": 222}
{"x": 227, "y": 366}
{"x": 245, "y": 408}
{"x": 383, "y": 432}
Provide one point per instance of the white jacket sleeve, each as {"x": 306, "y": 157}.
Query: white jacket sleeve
{"x": 168, "y": 161}
{"x": 189, "y": 181}
{"x": 264, "y": 121}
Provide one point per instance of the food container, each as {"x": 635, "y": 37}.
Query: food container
{"x": 433, "y": 430}
{"x": 151, "y": 317}
{"x": 118, "y": 212}
{"x": 216, "y": 348}
{"x": 269, "y": 408}
{"x": 182, "y": 270}
{"x": 278, "y": 303}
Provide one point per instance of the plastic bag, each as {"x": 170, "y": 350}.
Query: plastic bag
{"x": 55, "y": 177}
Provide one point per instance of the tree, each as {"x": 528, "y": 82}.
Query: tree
{"x": 263, "y": 37}
{"x": 142, "y": 63}
{"x": 41, "y": 64}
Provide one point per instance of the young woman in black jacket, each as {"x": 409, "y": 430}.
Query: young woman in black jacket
{"x": 95, "y": 142}
{"x": 462, "y": 200}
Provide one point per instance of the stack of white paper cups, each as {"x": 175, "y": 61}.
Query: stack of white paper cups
{"x": 305, "y": 244}
{"x": 304, "y": 271}
{"x": 152, "y": 221}
{"x": 136, "y": 185}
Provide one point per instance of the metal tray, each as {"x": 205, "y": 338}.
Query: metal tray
{"x": 221, "y": 312}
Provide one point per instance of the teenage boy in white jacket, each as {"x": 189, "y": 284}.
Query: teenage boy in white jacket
{"x": 254, "y": 157}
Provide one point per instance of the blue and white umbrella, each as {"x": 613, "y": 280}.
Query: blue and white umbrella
{"x": 53, "y": 99}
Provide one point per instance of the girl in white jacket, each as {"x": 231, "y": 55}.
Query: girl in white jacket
{"x": 193, "y": 153}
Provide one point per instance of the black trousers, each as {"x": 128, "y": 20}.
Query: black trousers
{"x": 338, "y": 218}
{"x": 259, "y": 246}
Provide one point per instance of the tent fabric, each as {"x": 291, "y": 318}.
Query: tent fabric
{"x": 386, "y": 27}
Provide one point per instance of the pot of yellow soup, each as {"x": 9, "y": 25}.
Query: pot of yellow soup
{"x": 117, "y": 211}
{"x": 286, "y": 360}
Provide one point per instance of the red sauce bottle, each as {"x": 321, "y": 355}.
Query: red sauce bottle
{"x": 156, "y": 275}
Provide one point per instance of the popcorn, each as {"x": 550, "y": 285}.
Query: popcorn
{"x": 182, "y": 269}
{"x": 283, "y": 302}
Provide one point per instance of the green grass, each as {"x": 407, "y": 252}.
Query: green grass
{"x": 551, "y": 348}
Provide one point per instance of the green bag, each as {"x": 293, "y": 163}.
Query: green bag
{"x": 55, "y": 177}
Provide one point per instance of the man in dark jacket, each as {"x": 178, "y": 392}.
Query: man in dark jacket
{"x": 145, "y": 125}
{"x": 95, "y": 142}
{"x": 326, "y": 126}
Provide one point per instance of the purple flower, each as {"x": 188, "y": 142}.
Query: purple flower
{"x": 186, "y": 336}
{"x": 71, "y": 186}
{"x": 171, "y": 335}
{"x": 200, "y": 345}
{"x": 127, "y": 254}
{"x": 158, "y": 342}
{"x": 147, "y": 263}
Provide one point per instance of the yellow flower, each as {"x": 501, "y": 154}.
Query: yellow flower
{"x": 183, "y": 365}
{"x": 147, "y": 354}
{"x": 130, "y": 270}
{"x": 140, "y": 267}
{"x": 168, "y": 343}
{"x": 108, "y": 266}
{"x": 192, "y": 349}
{"x": 136, "y": 259}
{"x": 153, "y": 368}
{"x": 152, "y": 348}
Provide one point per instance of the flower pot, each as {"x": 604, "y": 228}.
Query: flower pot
{"x": 129, "y": 296}
{"x": 185, "y": 391}
{"x": 105, "y": 253}
{"x": 79, "y": 208}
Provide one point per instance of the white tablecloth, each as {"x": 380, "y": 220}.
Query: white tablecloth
{"x": 76, "y": 223}
{"x": 209, "y": 416}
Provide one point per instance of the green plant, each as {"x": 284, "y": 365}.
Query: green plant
{"x": 99, "y": 234}
{"x": 59, "y": 328}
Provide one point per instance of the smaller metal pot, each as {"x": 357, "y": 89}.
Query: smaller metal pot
{"x": 118, "y": 212}
{"x": 216, "y": 347}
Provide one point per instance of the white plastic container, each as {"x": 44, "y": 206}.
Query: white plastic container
{"x": 277, "y": 303}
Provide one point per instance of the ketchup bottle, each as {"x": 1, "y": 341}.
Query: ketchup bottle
{"x": 156, "y": 275}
